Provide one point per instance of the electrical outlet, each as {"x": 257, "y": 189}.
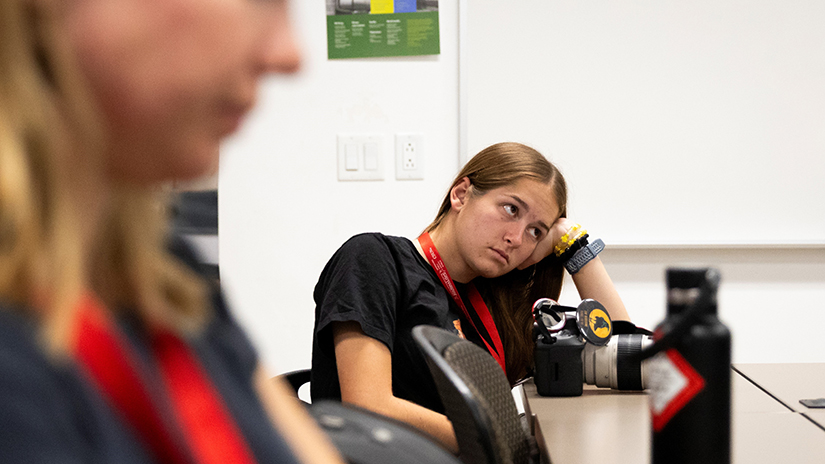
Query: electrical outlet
{"x": 410, "y": 156}
{"x": 409, "y": 159}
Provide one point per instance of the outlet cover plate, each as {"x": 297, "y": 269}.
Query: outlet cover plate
{"x": 409, "y": 156}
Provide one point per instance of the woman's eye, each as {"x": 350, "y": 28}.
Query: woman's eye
{"x": 511, "y": 209}
{"x": 534, "y": 232}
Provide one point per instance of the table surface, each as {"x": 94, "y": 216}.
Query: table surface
{"x": 789, "y": 383}
{"x": 606, "y": 426}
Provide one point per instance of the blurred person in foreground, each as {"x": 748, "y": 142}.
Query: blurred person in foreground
{"x": 112, "y": 347}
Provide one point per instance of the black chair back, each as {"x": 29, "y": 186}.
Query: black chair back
{"x": 477, "y": 399}
{"x": 297, "y": 379}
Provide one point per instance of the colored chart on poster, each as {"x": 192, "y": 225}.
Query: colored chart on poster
{"x": 382, "y": 6}
{"x": 357, "y": 29}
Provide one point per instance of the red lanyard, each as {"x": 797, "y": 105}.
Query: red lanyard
{"x": 476, "y": 301}
{"x": 203, "y": 423}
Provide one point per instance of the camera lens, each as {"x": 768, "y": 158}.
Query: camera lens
{"x": 614, "y": 365}
{"x": 628, "y": 365}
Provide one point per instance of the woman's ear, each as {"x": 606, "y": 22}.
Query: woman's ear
{"x": 460, "y": 193}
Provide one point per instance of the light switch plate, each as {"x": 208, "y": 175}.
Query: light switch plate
{"x": 368, "y": 163}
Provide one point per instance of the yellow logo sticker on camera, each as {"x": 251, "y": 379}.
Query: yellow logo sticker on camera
{"x": 599, "y": 323}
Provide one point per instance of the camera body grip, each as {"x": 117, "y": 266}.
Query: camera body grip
{"x": 559, "y": 367}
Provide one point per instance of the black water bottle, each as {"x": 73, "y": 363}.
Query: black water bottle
{"x": 690, "y": 379}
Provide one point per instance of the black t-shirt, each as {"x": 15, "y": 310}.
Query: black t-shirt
{"x": 385, "y": 285}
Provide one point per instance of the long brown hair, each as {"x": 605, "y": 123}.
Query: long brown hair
{"x": 510, "y": 297}
{"x": 50, "y": 136}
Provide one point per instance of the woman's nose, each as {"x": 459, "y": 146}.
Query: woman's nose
{"x": 514, "y": 234}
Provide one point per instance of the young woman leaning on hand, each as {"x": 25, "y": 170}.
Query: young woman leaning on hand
{"x": 496, "y": 234}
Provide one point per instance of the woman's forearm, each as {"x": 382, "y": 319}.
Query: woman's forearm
{"x": 365, "y": 376}
{"x": 592, "y": 281}
{"x": 434, "y": 424}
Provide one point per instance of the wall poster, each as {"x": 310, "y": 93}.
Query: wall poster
{"x": 370, "y": 28}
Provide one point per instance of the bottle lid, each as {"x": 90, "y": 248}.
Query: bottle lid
{"x": 683, "y": 288}
{"x": 685, "y": 277}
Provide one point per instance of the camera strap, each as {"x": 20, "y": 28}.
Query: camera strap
{"x": 476, "y": 301}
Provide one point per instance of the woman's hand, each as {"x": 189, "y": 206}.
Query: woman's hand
{"x": 591, "y": 281}
{"x": 545, "y": 247}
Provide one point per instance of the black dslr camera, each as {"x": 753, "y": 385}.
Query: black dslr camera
{"x": 576, "y": 346}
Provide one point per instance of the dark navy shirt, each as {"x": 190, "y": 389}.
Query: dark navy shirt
{"x": 51, "y": 413}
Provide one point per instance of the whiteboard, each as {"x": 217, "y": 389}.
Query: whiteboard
{"x": 679, "y": 122}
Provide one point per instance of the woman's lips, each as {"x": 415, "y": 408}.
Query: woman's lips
{"x": 503, "y": 255}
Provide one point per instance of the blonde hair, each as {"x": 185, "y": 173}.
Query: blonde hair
{"x": 51, "y": 139}
{"x": 510, "y": 297}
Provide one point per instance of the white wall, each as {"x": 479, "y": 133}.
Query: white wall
{"x": 681, "y": 122}
{"x": 283, "y": 212}
{"x": 772, "y": 299}
{"x": 715, "y": 106}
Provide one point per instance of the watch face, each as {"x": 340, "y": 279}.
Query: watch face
{"x": 594, "y": 322}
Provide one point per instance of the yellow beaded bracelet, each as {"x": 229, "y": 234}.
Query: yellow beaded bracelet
{"x": 568, "y": 239}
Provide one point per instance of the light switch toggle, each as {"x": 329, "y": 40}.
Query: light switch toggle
{"x": 371, "y": 156}
{"x": 351, "y": 156}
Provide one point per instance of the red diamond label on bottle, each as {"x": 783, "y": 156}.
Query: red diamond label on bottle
{"x": 673, "y": 383}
